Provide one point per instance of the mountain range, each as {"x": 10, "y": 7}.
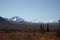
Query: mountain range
{"x": 14, "y": 19}
{"x": 19, "y": 23}
{"x": 21, "y": 20}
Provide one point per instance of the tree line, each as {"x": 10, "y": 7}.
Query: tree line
{"x": 41, "y": 29}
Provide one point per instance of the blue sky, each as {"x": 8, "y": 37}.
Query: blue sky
{"x": 38, "y": 10}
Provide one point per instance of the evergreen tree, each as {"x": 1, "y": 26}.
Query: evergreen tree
{"x": 38, "y": 30}
{"x": 58, "y": 32}
{"x": 34, "y": 30}
{"x": 29, "y": 29}
{"x": 42, "y": 30}
{"x": 47, "y": 29}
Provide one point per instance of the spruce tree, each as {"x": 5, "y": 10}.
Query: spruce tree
{"x": 34, "y": 30}
{"x": 29, "y": 29}
{"x": 58, "y": 32}
{"x": 42, "y": 30}
{"x": 47, "y": 29}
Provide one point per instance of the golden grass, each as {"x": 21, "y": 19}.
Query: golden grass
{"x": 28, "y": 36}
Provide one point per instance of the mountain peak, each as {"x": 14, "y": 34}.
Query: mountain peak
{"x": 16, "y": 19}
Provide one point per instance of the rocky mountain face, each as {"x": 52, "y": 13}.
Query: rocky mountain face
{"x": 2, "y": 19}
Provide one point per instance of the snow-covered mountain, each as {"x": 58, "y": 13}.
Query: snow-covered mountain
{"x": 16, "y": 19}
{"x": 28, "y": 20}
{"x": 21, "y": 20}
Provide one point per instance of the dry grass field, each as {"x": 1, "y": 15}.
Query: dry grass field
{"x": 29, "y": 36}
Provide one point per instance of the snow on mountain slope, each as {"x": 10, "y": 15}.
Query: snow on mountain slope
{"x": 26, "y": 20}
{"x": 17, "y": 19}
